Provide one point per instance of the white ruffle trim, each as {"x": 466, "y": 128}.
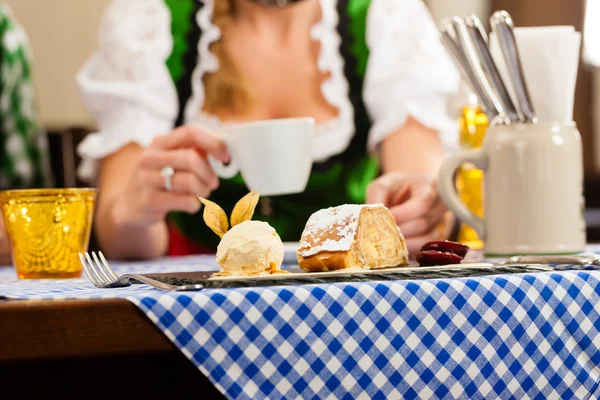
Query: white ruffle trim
{"x": 333, "y": 136}
{"x": 207, "y": 63}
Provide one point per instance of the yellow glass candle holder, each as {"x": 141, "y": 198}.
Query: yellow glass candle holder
{"x": 47, "y": 228}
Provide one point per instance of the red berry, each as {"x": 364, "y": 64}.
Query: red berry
{"x": 447, "y": 246}
{"x": 434, "y": 257}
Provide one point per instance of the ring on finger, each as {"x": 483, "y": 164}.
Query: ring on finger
{"x": 167, "y": 173}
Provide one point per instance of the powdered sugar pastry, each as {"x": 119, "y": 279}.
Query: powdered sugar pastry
{"x": 332, "y": 229}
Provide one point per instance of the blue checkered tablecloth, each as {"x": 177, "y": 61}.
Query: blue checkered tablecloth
{"x": 504, "y": 336}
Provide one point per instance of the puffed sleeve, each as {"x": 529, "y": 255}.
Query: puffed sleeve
{"x": 126, "y": 84}
{"x": 409, "y": 72}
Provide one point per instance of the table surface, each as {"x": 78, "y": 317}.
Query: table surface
{"x": 84, "y": 338}
{"x": 76, "y": 328}
{"x": 56, "y": 329}
{"x": 512, "y": 335}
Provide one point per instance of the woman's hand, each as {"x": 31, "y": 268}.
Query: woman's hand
{"x": 415, "y": 204}
{"x": 146, "y": 200}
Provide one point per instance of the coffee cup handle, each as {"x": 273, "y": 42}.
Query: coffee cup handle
{"x": 222, "y": 170}
{"x": 447, "y": 188}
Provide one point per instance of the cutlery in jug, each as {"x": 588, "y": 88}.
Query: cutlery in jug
{"x": 480, "y": 41}
{"x": 450, "y": 41}
{"x": 491, "y": 98}
{"x": 502, "y": 24}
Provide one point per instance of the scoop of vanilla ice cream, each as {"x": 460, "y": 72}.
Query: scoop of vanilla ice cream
{"x": 250, "y": 248}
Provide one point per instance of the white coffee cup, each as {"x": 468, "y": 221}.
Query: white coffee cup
{"x": 533, "y": 196}
{"x": 273, "y": 156}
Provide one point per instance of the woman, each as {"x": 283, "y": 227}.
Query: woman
{"x": 372, "y": 74}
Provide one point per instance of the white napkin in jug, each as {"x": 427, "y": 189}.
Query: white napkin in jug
{"x": 550, "y": 60}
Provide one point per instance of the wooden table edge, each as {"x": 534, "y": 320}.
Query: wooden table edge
{"x": 50, "y": 329}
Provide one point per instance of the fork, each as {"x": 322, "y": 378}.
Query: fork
{"x": 103, "y": 276}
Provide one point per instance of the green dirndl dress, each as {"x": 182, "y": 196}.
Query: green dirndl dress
{"x": 342, "y": 179}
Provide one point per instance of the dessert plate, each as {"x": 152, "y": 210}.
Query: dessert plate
{"x": 296, "y": 272}
{"x": 298, "y": 277}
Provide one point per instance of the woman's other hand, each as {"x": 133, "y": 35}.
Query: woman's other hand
{"x": 415, "y": 204}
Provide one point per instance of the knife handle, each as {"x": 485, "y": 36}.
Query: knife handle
{"x": 578, "y": 260}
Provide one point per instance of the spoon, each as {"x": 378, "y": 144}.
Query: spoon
{"x": 450, "y": 41}
{"x": 490, "y": 98}
{"x": 480, "y": 39}
{"x": 502, "y": 23}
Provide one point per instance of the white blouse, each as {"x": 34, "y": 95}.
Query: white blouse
{"x": 128, "y": 89}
